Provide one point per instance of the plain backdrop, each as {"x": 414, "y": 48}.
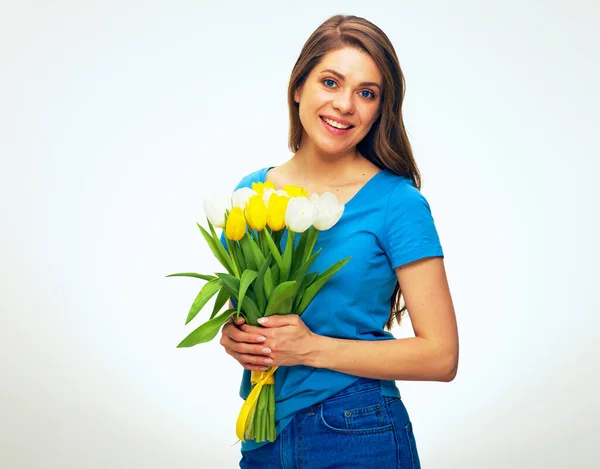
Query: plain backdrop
{"x": 118, "y": 118}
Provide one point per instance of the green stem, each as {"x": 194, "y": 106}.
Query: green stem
{"x": 272, "y": 413}
{"x": 262, "y": 243}
{"x": 267, "y": 392}
{"x": 263, "y": 415}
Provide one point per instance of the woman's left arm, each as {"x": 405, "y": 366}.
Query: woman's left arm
{"x": 432, "y": 355}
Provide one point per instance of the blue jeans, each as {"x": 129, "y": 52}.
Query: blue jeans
{"x": 356, "y": 428}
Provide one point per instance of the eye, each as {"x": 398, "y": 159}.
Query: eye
{"x": 329, "y": 83}
{"x": 367, "y": 94}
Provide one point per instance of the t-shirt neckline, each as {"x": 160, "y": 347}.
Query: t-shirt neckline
{"x": 352, "y": 199}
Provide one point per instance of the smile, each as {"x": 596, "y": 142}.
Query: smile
{"x": 336, "y": 124}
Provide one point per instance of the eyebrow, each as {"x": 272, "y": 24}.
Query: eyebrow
{"x": 342, "y": 77}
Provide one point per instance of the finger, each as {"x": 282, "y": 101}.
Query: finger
{"x": 245, "y": 348}
{"x": 239, "y": 321}
{"x": 239, "y": 335}
{"x": 248, "y": 366}
{"x": 279, "y": 320}
{"x": 256, "y": 330}
{"x": 247, "y": 359}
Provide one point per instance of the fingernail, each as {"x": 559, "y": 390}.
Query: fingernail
{"x": 263, "y": 320}
{"x": 265, "y": 368}
{"x": 268, "y": 360}
{"x": 261, "y": 338}
{"x": 266, "y": 351}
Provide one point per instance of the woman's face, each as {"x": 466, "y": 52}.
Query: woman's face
{"x": 339, "y": 100}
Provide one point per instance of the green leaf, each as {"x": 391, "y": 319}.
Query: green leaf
{"x": 277, "y": 235}
{"x": 300, "y": 274}
{"x": 222, "y": 298}
{"x": 310, "y": 278}
{"x": 250, "y": 294}
{"x": 248, "y": 276}
{"x": 259, "y": 257}
{"x": 259, "y": 285}
{"x": 217, "y": 249}
{"x": 302, "y": 271}
{"x": 207, "y": 292}
{"x": 220, "y": 246}
{"x": 272, "y": 247}
{"x": 286, "y": 263}
{"x": 286, "y": 305}
{"x": 251, "y": 312}
{"x": 193, "y": 274}
{"x": 314, "y": 288}
{"x": 249, "y": 308}
{"x": 262, "y": 241}
{"x": 269, "y": 284}
{"x": 231, "y": 282}
{"x": 207, "y": 331}
{"x": 275, "y": 274}
{"x": 298, "y": 256}
{"x": 249, "y": 258}
{"x": 236, "y": 256}
{"x": 281, "y": 293}
{"x": 310, "y": 244}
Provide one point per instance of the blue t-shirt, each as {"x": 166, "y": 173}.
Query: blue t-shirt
{"x": 388, "y": 223}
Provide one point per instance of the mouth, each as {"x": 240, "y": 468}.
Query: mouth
{"x": 336, "y": 124}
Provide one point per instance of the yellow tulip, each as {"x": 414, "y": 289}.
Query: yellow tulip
{"x": 276, "y": 211}
{"x": 295, "y": 191}
{"x": 256, "y": 213}
{"x": 235, "y": 229}
{"x": 259, "y": 187}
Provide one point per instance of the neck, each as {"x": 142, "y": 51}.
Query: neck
{"x": 314, "y": 165}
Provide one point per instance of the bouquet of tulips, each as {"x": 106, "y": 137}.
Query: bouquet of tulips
{"x": 264, "y": 275}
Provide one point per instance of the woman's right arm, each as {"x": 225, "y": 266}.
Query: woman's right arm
{"x": 246, "y": 348}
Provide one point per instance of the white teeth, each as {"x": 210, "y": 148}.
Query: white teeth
{"x": 335, "y": 124}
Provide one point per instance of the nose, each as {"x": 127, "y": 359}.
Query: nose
{"x": 344, "y": 103}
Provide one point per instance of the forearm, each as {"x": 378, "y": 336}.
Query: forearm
{"x": 411, "y": 359}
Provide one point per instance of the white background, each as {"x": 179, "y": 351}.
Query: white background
{"x": 117, "y": 118}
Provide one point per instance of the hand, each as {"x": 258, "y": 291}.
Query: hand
{"x": 247, "y": 348}
{"x": 291, "y": 342}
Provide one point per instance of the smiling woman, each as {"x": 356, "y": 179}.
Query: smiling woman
{"x": 337, "y": 402}
{"x": 339, "y": 98}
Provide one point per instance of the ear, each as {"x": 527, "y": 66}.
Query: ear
{"x": 297, "y": 94}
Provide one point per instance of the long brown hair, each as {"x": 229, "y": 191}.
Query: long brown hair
{"x": 386, "y": 145}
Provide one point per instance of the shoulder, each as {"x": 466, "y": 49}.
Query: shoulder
{"x": 398, "y": 189}
{"x": 410, "y": 232}
{"x": 402, "y": 198}
{"x": 256, "y": 176}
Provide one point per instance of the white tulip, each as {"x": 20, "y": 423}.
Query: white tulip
{"x": 215, "y": 210}
{"x": 328, "y": 209}
{"x": 241, "y": 196}
{"x": 300, "y": 214}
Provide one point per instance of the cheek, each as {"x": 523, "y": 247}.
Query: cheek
{"x": 309, "y": 109}
{"x": 370, "y": 114}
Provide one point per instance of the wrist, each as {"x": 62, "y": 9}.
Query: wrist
{"x": 317, "y": 351}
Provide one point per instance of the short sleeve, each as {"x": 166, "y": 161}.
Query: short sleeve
{"x": 409, "y": 229}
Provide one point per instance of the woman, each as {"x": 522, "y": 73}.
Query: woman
{"x": 337, "y": 401}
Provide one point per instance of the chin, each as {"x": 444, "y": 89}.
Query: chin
{"x": 333, "y": 150}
